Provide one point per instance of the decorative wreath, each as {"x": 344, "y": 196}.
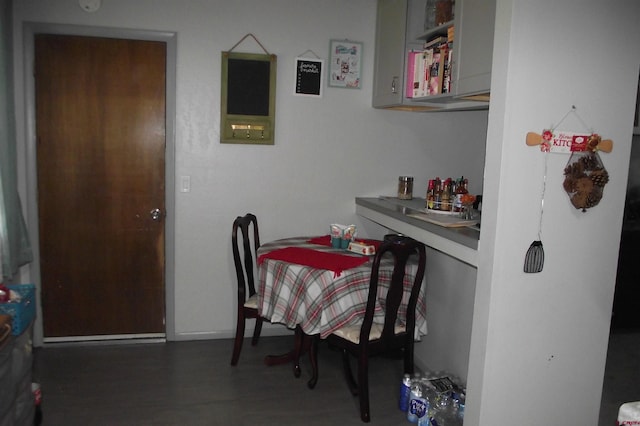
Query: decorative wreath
{"x": 585, "y": 176}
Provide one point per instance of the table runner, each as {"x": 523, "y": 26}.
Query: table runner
{"x": 335, "y": 262}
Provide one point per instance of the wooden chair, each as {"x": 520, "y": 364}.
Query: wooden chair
{"x": 247, "y": 296}
{"x": 369, "y": 338}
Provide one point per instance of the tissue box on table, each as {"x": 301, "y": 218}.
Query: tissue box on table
{"x": 361, "y": 247}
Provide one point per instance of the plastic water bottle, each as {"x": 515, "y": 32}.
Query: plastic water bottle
{"x": 460, "y": 399}
{"x": 405, "y": 393}
{"x": 418, "y": 406}
{"x": 445, "y": 412}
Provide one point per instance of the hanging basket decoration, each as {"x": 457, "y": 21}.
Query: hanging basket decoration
{"x": 585, "y": 176}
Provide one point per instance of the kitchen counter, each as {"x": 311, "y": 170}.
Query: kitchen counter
{"x": 459, "y": 242}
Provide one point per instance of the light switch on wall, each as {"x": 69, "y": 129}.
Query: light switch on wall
{"x": 185, "y": 183}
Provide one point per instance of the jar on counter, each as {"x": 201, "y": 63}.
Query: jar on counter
{"x": 405, "y": 187}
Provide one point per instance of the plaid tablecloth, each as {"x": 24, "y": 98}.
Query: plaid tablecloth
{"x": 318, "y": 300}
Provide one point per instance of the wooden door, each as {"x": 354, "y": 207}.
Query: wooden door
{"x": 100, "y": 125}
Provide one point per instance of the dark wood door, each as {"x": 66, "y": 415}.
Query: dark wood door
{"x": 100, "y": 124}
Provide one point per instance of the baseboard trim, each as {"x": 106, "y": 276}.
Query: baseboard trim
{"x": 107, "y": 339}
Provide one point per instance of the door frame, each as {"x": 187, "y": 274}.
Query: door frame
{"x": 170, "y": 38}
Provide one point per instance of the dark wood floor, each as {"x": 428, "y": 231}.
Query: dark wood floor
{"x": 192, "y": 383}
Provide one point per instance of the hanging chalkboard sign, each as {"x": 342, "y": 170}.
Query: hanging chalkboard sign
{"x": 309, "y": 75}
{"x": 247, "y": 100}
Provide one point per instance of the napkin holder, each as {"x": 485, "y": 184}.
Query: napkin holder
{"x": 341, "y": 235}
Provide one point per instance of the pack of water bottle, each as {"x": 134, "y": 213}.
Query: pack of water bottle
{"x": 432, "y": 400}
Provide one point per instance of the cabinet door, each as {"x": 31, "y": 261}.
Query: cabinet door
{"x": 473, "y": 46}
{"x": 388, "y": 79}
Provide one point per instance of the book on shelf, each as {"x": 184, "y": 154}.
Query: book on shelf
{"x": 416, "y": 82}
{"x": 411, "y": 61}
{"x": 436, "y": 72}
{"x": 436, "y": 43}
{"x": 417, "y": 70}
{"x": 422, "y": 73}
{"x": 446, "y": 78}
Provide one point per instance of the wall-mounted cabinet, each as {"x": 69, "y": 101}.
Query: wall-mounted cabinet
{"x": 474, "y": 27}
{"x": 400, "y": 29}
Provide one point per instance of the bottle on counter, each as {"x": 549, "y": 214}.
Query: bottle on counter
{"x": 430, "y": 195}
{"x": 446, "y": 195}
{"x": 461, "y": 189}
{"x": 437, "y": 194}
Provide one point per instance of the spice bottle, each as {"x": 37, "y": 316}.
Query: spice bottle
{"x": 437, "y": 194}
{"x": 405, "y": 187}
{"x": 461, "y": 189}
{"x": 446, "y": 196}
{"x": 430, "y": 195}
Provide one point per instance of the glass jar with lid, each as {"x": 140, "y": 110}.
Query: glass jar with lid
{"x": 405, "y": 187}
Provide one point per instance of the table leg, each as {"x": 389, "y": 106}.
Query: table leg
{"x": 301, "y": 345}
{"x": 313, "y": 359}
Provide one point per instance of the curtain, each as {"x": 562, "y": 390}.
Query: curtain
{"x": 15, "y": 249}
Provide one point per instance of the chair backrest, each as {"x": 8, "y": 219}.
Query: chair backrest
{"x": 244, "y": 263}
{"x": 402, "y": 249}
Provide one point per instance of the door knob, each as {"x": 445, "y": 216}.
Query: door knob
{"x": 155, "y": 214}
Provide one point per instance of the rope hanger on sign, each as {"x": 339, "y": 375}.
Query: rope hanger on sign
{"x": 253, "y": 37}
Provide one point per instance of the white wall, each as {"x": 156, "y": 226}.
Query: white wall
{"x": 327, "y": 150}
{"x": 539, "y": 341}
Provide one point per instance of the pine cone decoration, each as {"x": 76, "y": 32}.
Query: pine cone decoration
{"x": 574, "y": 169}
{"x": 584, "y": 179}
{"x": 590, "y": 162}
{"x": 584, "y": 184}
{"x": 579, "y": 200}
{"x": 569, "y": 184}
{"x": 599, "y": 177}
{"x": 593, "y": 199}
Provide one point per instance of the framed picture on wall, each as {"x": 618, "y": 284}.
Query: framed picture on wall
{"x": 345, "y": 64}
{"x": 309, "y": 77}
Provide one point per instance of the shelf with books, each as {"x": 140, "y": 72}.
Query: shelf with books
{"x": 400, "y": 30}
{"x": 428, "y": 70}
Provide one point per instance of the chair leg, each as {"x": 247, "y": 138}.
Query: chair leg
{"x": 298, "y": 347}
{"x": 313, "y": 359}
{"x": 256, "y": 331}
{"x": 348, "y": 374}
{"x": 237, "y": 344}
{"x": 363, "y": 388}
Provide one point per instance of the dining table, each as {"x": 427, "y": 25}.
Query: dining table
{"x": 310, "y": 286}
